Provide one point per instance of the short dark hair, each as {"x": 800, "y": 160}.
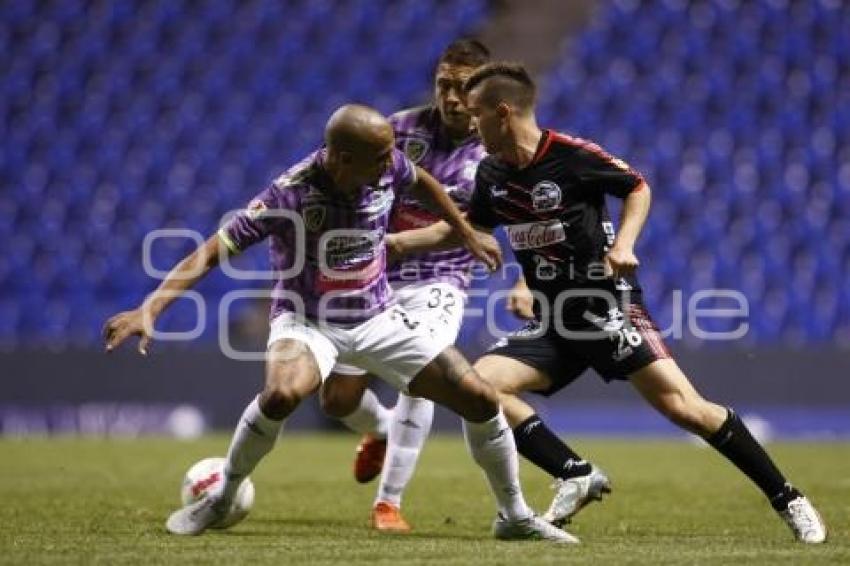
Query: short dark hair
{"x": 506, "y": 82}
{"x": 465, "y": 51}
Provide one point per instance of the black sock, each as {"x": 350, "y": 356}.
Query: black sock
{"x": 544, "y": 449}
{"x": 734, "y": 441}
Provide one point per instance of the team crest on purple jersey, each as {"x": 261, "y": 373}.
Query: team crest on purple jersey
{"x": 314, "y": 217}
{"x": 416, "y": 148}
{"x": 255, "y": 209}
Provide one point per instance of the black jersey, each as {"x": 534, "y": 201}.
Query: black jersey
{"x": 554, "y": 211}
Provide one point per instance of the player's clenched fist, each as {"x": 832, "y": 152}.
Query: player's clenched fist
{"x": 126, "y": 324}
{"x": 520, "y": 301}
{"x": 621, "y": 262}
{"x": 486, "y": 248}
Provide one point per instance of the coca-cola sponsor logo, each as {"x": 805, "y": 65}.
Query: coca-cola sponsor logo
{"x": 535, "y": 234}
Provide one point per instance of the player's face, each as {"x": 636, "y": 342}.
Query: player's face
{"x": 488, "y": 121}
{"x": 448, "y": 90}
{"x": 370, "y": 163}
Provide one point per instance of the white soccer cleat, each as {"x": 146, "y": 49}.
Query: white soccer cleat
{"x": 195, "y": 518}
{"x": 805, "y": 521}
{"x": 530, "y": 528}
{"x": 571, "y": 495}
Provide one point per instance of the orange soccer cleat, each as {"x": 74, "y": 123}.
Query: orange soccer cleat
{"x": 369, "y": 460}
{"x": 387, "y": 518}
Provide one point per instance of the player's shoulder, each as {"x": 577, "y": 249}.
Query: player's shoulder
{"x": 585, "y": 150}
{"x": 492, "y": 167}
{"x": 302, "y": 174}
{"x": 566, "y": 143}
{"x": 401, "y": 158}
{"x": 419, "y": 119}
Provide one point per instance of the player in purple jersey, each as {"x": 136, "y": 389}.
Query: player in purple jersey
{"x": 548, "y": 190}
{"x": 430, "y": 285}
{"x": 326, "y": 219}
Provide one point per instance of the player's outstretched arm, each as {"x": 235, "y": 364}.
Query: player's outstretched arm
{"x": 139, "y": 321}
{"x": 431, "y": 192}
{"x": 621, "y": 258}
{"x": 438, "y": 237}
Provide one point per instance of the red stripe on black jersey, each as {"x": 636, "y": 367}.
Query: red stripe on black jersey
{"x": 582, "y": 143}
{"x": 543, "y": 148}
{"x": 596, "y": 149}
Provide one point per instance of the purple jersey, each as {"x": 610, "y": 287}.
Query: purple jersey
{"x": 343, "y": 278}
{"x": 419, "y": 133}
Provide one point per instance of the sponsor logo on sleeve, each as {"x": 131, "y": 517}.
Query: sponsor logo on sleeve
{"x": 255, "y": 209}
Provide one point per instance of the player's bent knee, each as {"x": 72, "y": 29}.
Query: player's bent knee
{"x": 279, "y": 400}
{"x": 487, "y": 369}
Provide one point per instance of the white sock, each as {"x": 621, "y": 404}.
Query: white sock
{"x": 409, "y": 427}
{"x": 254, "y": 437}
{"x": 370, "y": 416}
{"x": 492, "y": 446}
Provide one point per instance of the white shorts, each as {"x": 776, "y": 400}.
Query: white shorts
{"x": 393, "y": 345}
{"x": 440, "y": 305}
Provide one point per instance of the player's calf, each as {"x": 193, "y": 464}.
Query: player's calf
{"x": 451, "y": 381}
{"x": 670, "y": 392}
{"x": 340, "y": 395}
{"x": 693, "y": 414}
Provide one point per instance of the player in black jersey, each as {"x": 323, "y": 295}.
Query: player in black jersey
{"x": 548, "y": 191}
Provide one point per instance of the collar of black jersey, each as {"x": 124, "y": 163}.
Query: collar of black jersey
{"x": 542, "y": 146}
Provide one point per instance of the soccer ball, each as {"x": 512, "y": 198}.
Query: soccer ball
{"x": 207, "y": 474}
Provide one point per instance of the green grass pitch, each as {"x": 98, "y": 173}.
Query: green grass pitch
{"x": 105, "y": 501}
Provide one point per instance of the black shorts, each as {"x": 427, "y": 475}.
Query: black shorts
{"x": 614, "y": 342}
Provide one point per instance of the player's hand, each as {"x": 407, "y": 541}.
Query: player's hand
{"x": 486, "y": 248}
{"x": 521, "y": 301}
{"x": 126, "y": 324}
{"x": 395, "y": 249}
{"x": 620, "y": 262}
